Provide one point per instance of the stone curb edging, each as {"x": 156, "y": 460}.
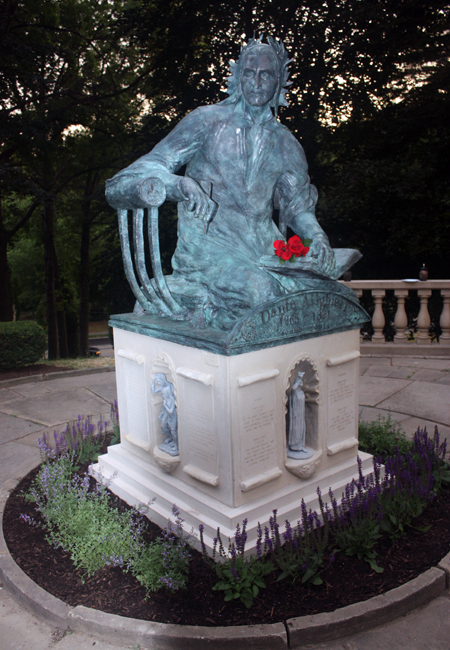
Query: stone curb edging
{"x": 300, "y": 631}
{"x": 369, "y": 613}
{"x": 119, "y": 630}
{"x": 42, "y": 376}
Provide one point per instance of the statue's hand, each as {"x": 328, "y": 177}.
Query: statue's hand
{"x": 198, "y": 202}
{"x": 322, "y": 251}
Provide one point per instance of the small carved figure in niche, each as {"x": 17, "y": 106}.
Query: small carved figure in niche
{"x": 297, "y": 422}
{"x": 168, "y": 415}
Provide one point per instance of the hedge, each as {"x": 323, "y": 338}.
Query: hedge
{"x": 21, "y": 342}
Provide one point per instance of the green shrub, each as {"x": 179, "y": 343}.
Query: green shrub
{"x": 21, "y": 342}
{"x": 82, "y": 521}
{"x": 382, "y": 437}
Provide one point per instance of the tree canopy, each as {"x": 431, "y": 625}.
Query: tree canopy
{"x": 87, "y": 87}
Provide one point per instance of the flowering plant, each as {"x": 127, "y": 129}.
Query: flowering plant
{"x": 289, "y": 250}
{"x": 240, "y": 578}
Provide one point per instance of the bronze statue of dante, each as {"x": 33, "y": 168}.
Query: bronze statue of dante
{"x": 240, "y": 162}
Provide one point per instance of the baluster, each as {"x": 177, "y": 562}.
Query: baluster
{"x": 444, "y": 321}
{"x": 423, "y": 319}
{"x": 378, "y": 320}
{"x": 401, "y": 319}
{"x": 359, "y": 293}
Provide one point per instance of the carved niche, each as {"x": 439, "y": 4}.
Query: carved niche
{"x": 162, "y": 364}
{"x": 304, "y": 468}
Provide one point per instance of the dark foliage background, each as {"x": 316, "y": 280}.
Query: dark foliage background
{"x": 85, "y": 88}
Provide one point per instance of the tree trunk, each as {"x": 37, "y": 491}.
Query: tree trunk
{"x": 92, "y": 182}
{"x": 60, "y": 310}
{"x": 6, "y": 309}
{"x": 83, "y": 346}
{"x": 52, "y": 320}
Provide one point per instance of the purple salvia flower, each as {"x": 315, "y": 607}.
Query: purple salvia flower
{"x": 259, "y": 535}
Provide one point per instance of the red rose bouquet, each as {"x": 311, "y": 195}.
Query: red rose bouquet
{"x": 289, "y": 250}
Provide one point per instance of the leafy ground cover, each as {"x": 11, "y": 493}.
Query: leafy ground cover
{"x": 345, "y": 581}
{"x": 372, "y": 542}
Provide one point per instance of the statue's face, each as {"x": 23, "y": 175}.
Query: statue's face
{"x": 259, "y": 79}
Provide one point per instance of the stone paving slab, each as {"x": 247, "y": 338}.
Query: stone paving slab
{"x": 407, "y": 423}
{"x": 433, "y": 364}
{"x": 371, "y": 414}
{"x": 58, "y": 406}
{"x": 420, "y": 399}
{"x": 426, "y": 628}
{"x": 445, "y": 380}
{"x": 77, "y": 641}
{"x": 410, "y": 425}
{"x": 31, "y": 439}
{"x": 105, "y": 388}
{"x": 27, "y": 390}
{"x": 33, "y": 633}
{"x": 380, "y": 371}
{"x": 102, "y": 381}
{"x": 16, "y": 461}
{"x": 21, "y": 630}
{"x": 427, "y": 374}
{"x": 404, "y": 372}
{"x": 371, "y": 361}
{"x": 12, "y": 427}
{"x": 373, "y": 390}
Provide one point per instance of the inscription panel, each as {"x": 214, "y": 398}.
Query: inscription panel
{"x": 200, "y": 427}
{"x": 257, "y": 406}
{"x": 303, "y": 313}
{"x": 342, "y": 407}
{"x": 135, "y": 400}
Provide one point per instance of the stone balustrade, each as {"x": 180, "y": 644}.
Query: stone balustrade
{"x": 422, "y": 343}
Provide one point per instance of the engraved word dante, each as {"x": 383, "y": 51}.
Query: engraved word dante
{"x": 314, "y": 310}
{"x": 306, "y": 312}
{"x": 277, "y": 310}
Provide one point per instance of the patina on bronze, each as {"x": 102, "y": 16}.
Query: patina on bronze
{"x": 240, "y": 163}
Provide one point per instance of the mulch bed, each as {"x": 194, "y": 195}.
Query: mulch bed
{"x": 29, "y": 371}
{"x": 345, "y": 581}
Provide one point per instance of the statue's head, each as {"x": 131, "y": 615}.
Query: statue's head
{"x": 274, "y": 54}
{"x": 161, "y": 379}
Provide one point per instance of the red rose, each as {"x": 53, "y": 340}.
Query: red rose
{"x": 278, "y": 244}
{"x": 296, "y": 246}
{"x": 294, "y": 239}
{"x": 286, "y": 254}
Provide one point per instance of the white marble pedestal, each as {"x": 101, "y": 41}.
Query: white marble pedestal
{"x": 232, "y": 461}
